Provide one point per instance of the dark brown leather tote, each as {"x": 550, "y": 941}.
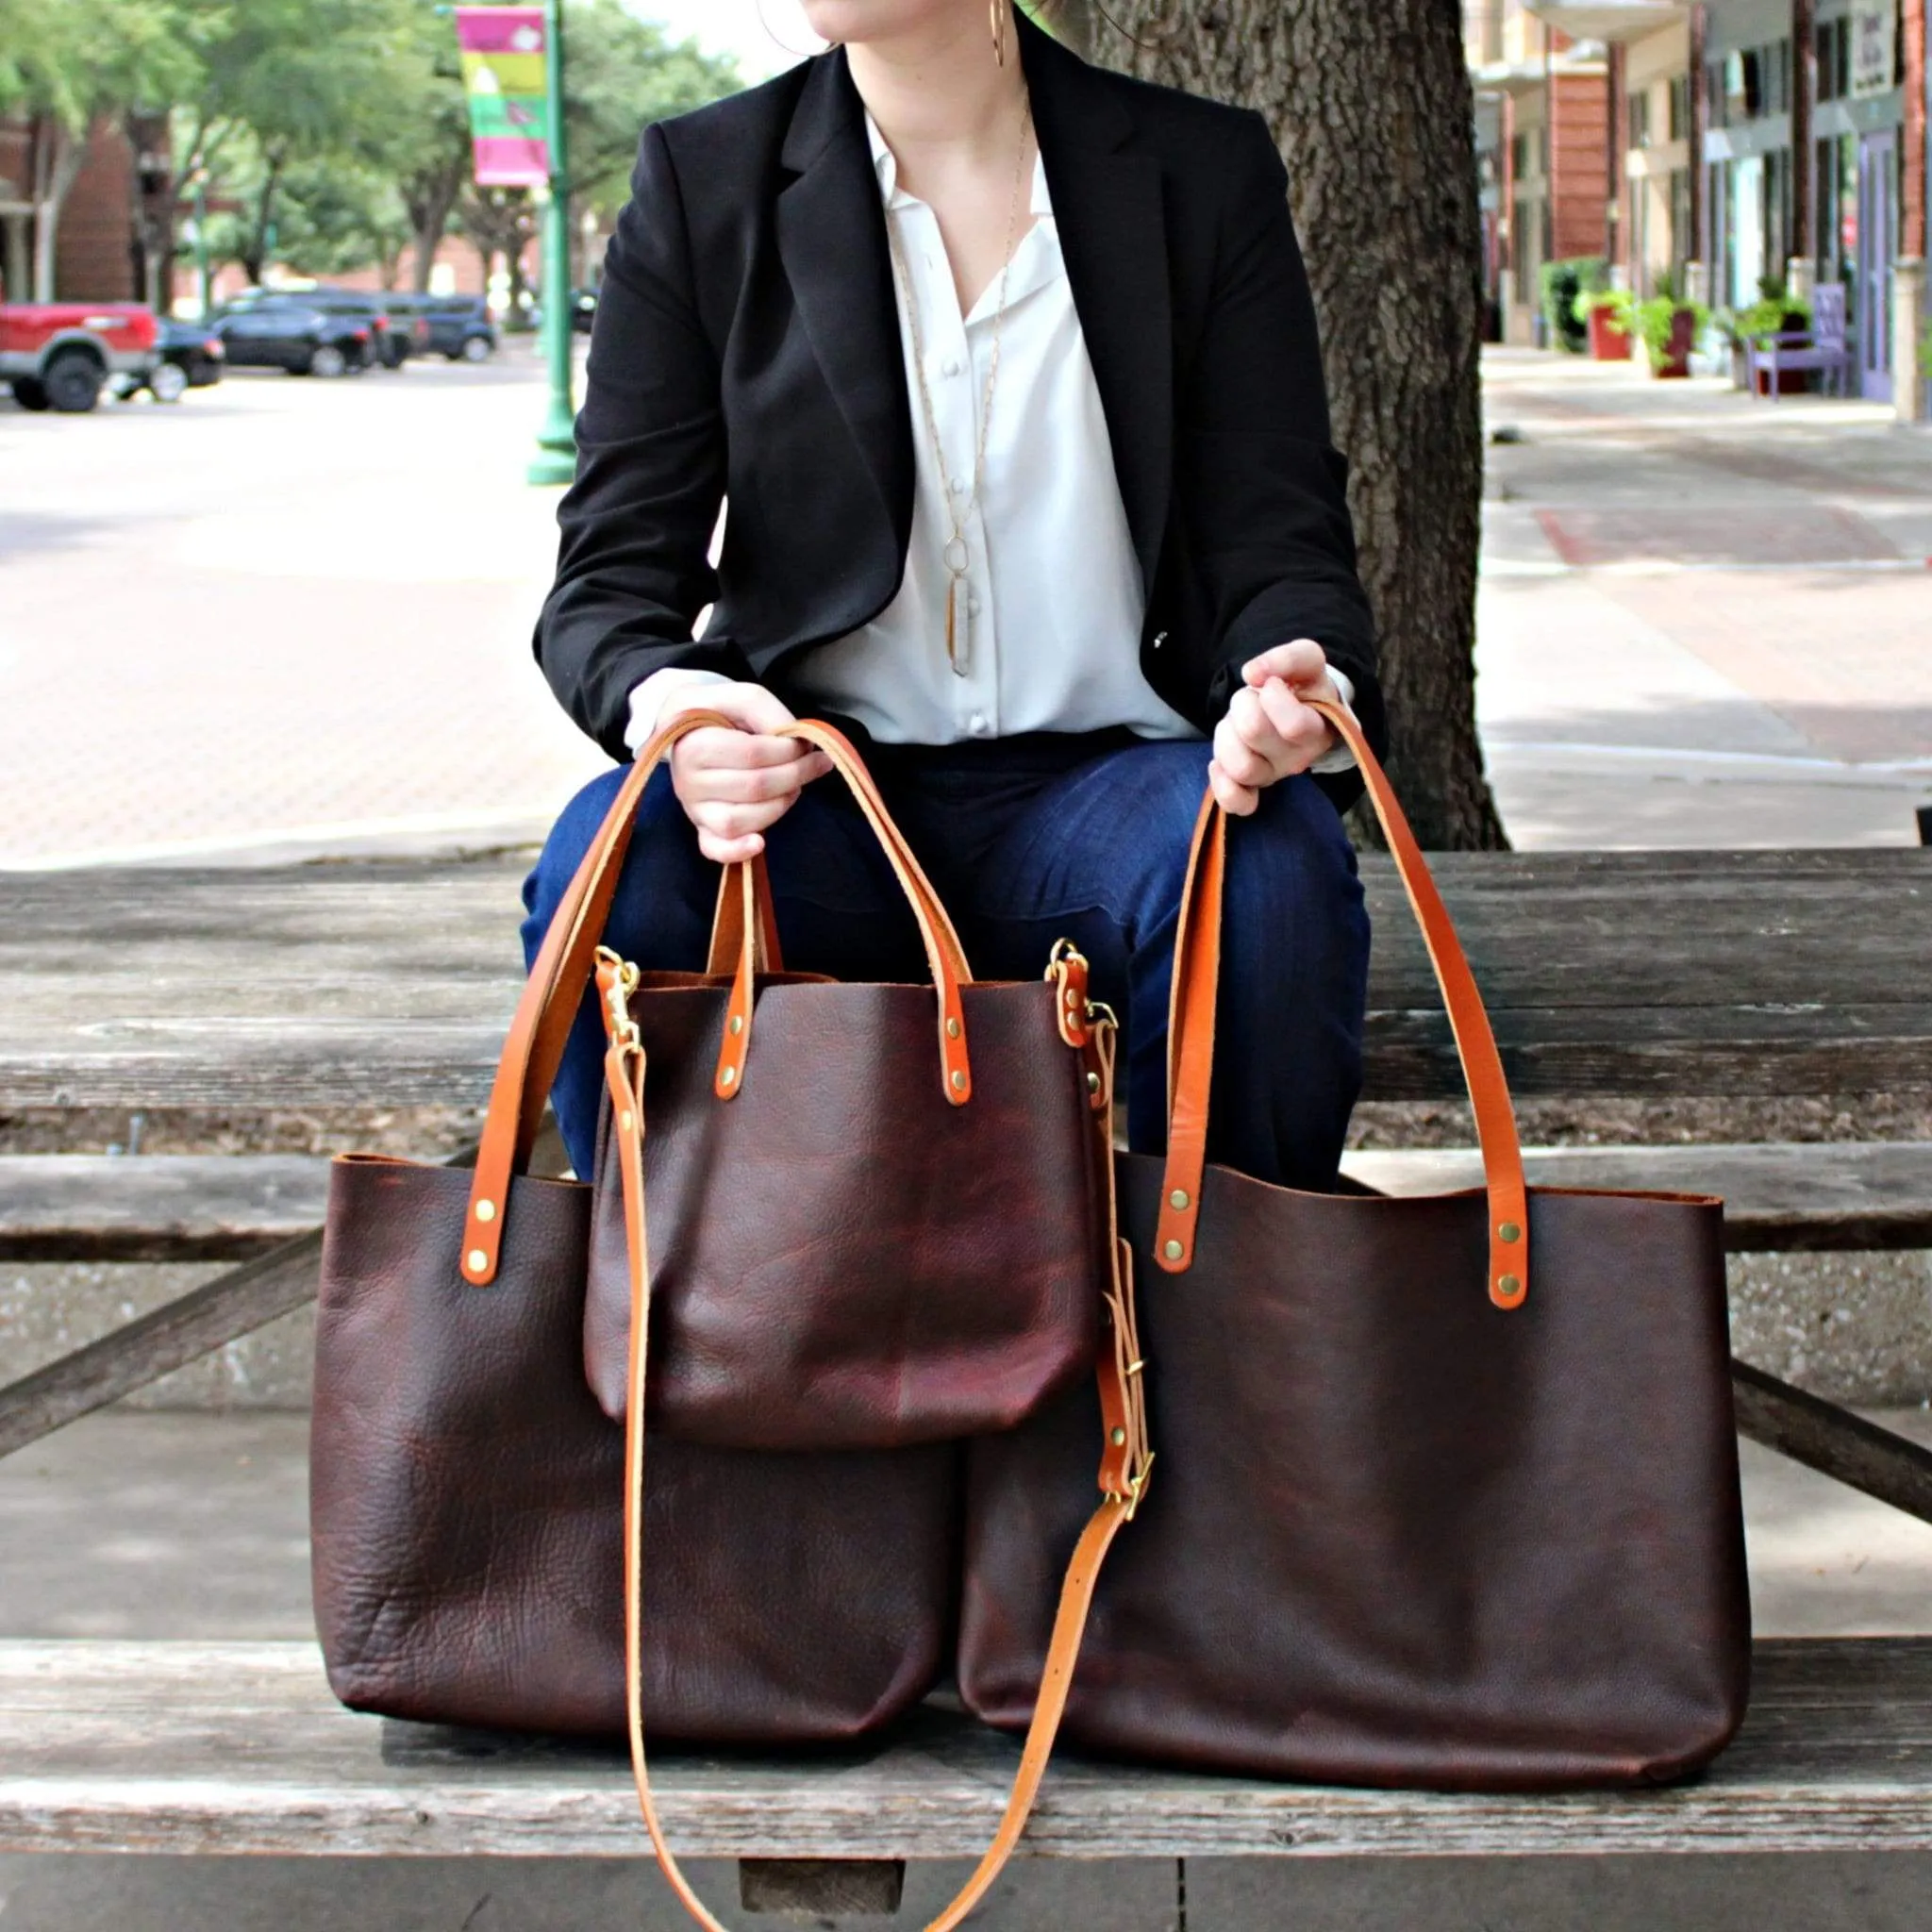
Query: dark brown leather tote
{"x": 468, "y": 1492}
{"x": 1448, "y": 1487}
{"x": 883, "y": 1210}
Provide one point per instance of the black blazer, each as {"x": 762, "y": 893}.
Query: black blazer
{"x": 747, "y": 345}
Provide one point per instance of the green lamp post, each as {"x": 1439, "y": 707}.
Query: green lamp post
{"x": 555, "y": 460}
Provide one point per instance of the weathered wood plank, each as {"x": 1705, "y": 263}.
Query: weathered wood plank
{"x": 236, "y": 1304}
{"x": 1815, "y": 1196}
{"x": 1716, "y": 973}
{"x": 238, "y": 1749}
{"x": 1833, "y": 1441}
{"x": 156, "y": 1206}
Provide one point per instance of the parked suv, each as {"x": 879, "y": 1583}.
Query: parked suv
{"x": 294, "y": 333}
{"x": 457, "y": 326}
{"x": 60, "y": 355}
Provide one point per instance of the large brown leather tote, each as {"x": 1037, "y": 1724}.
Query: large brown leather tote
{"x": 841, "y": 1292}
{"x": 1448, "y": 1489}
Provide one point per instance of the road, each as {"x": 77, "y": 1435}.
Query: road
{"x": 292, "y": 617}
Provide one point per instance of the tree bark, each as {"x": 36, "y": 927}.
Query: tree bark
{"x": 59, "y": 154}
{"x": 1372, "y": 108}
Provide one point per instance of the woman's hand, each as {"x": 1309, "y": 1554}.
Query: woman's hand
{"x": 734, "y": 784}
{"x": 1269, "y": 733}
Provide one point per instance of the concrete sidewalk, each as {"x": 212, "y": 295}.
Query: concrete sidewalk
{"x": 1703, "y": 620}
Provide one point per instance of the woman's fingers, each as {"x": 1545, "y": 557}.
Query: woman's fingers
{"x": 729, "y": 851}
{"x": 753, "y": 784}
{"x": 731, "y": 821}
{"x": 1300, "y": 661}
{"x": 1238, "y": 801}
{"x": 1303, "y": 734}
{"x": 1246, "y": 745}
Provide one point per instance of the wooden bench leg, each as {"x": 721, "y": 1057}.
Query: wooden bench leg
{"x": 1833, "y": 1441}
{"x": 207, "y": 1318}
{"x": 821, "y": 1888}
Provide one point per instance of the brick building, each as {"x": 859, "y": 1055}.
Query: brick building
{"x": 1755, "y": 142}
{"x": 98, "y": 250}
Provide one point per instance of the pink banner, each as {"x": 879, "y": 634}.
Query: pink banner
{"x": 508, "y": 160}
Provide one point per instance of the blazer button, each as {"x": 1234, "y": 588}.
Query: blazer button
{"x": 1159, "y": 639}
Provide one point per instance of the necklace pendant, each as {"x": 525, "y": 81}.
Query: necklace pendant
{"x": 955, "y": 652}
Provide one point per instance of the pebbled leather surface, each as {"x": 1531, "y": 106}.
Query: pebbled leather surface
{"x": 467, "y": 1507}
{"x": 1397, "y": 1535}
{"x": 840, "y": 1258}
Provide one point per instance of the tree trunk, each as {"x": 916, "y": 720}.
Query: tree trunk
{"x": 57, "y": 159}
{"x": 254, "y": 258}
{"x": 1372, "y": 108}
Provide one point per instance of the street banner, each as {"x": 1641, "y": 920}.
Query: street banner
{"x": 1874, "y": 47}
{"x": 504, "y": 56}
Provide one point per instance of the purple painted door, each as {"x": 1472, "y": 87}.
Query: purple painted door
{"x": 1877, "y": 225}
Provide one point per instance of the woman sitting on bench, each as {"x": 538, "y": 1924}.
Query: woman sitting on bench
{"x": 1007, "y": 367}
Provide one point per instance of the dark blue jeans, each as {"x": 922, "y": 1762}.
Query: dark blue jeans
{"x": 1030, "y": 841}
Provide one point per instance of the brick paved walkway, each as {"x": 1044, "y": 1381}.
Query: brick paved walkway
{"x": 1703, "y": 621}
{"x": 283, "y": 616}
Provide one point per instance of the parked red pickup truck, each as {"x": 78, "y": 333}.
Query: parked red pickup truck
{"x": 59, "y": 355}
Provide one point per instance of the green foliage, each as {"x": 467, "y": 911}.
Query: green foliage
{"x": 81, "y": 61}
{"x": 1619, "y": 302}
{"x": 1654, "y": 323}
{"x": 1562, "y": 283}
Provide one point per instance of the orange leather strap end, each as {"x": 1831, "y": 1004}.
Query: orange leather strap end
{"x": 1191, "y": 1034}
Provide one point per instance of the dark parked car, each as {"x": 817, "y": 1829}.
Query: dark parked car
{"x": 402, "y": 329}
{"x": 191, "y": 357}
{"x": 389, "y": 346}
{"x": 460, "y": 326}
{"x": 295, "y": 334}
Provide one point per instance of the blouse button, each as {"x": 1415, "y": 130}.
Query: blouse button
{"x": 977, "y": 725}
{"x": 972, "y": 606}
{"x": 951, "y": 365}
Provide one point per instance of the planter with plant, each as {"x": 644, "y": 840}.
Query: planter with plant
{"x": 1607, "y": 317}
{"x": 1775, "y": 312}
{"x": 1562, "y": 282}
{"x": 1668, "y": 327}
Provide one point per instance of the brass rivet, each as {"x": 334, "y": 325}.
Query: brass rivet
{"x": 729, "y": 1075}
{"x": 1073, "y": 996}
{"x": 486, "y": 1210}
{"x": 1511, "y": 1232}
{"x": 738, "y": 1022}
{"x": 1093, "y": 1083}
{"x": 478, "y": 1260}
{"x": 1174, "y": 1251}
{"x": 959, "y": 1083}
{"x": 1117, "y": 1436}
{"x": 952, "y": 1029}
{"x": 1178, "y": 1198}
{"x": 1510, "y": 1285}
{"x": 629, "y": 1121}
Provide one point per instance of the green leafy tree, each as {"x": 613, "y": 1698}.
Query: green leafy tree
{"x": 287, "y": 83}
{"x": 74, "y": 65}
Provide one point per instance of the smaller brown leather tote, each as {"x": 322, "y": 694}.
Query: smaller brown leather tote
{"x": 1448, "y": 1489}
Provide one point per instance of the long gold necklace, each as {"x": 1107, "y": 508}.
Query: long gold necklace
{"x": 956, "y": 555}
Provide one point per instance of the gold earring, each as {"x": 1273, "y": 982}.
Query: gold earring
{"x": 998, "y": 10}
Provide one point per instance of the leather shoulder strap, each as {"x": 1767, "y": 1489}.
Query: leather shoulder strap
{"x": 1191, "y": 1034}
{"x": 1126, "y": 1463}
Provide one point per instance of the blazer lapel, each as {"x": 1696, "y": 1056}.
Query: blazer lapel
{"x": 1114, "y": 238}
{"x": 832, "y": 242}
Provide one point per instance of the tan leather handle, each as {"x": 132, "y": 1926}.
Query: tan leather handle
{"x": 1125, "y": 1460}
{"x": 1190, "y": 1033}
{"x": 534, "y": 1047}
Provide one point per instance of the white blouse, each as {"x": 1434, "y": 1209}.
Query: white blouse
{"x": 1049, "y": 627}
